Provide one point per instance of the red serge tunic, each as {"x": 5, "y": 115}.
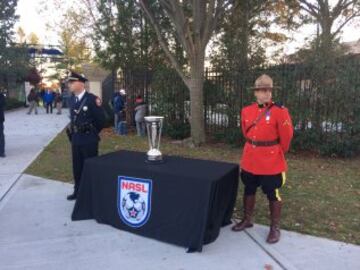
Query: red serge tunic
{"x": 276, "y": 124}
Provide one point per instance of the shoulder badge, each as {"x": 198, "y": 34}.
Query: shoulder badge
{"x": 287, "y": 123}
{"x": 279, "y": 105}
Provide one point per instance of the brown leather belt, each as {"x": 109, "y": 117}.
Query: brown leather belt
{"x": 263, "y": 143}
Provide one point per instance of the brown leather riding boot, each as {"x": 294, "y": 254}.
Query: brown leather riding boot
{"x": 249, "y": 205}
{"x": 275, "y": 213}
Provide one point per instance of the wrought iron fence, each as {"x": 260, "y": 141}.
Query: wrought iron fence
{"x": 325, "y": 112}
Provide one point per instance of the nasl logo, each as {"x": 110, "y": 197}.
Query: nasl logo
{"x": 134, "y": 200}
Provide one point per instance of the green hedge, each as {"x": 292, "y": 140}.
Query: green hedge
{"x": 168, "y": 98}
{"x": 12, "y": 103}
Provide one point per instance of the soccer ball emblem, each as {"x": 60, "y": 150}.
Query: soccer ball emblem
{"x": 133, "y": 205}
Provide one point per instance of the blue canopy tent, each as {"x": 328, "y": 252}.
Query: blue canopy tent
{"x": 44, "y": 51}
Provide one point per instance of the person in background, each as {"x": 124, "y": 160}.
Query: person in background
{"x": 41, "y": 96}
{"x": 122, "y": 127}
{"x": 58, "y": 101}
{"x": 2, "y": 120}
{"x": 33, "y": 99}
{"x": 140, "y": 112}
{"x": 116, "y": 104}
{"x": 49, "y": 100}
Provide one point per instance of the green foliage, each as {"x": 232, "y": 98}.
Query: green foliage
{"x": 169, "y": 98}
{"x": 324, "y": 104}
{"x": 75, "y": 50}
{"x": 248, "y": 28}
{"x": 340, "y": 147}
{"x": 177, "y": 130}
{"x": 14, "y": 64}
{"x": 231, "y": 136}
{"x": 13, "y": 103}
{"x": 326, "y": 116}
{"x": 123, "y": 38}
{"x": 305, "y": 140}
{"x": 7, "y": 21}
{"x": 13, "y": 59}
{"x": 320, "y": 86}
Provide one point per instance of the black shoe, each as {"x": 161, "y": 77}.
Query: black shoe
{"x": 2, "y": 155}
{"x": 71, "y": 197}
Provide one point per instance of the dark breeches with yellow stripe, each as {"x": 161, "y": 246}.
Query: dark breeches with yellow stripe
{"x": 270, "y": 184}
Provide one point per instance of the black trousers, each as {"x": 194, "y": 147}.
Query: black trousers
{"x": 49, "y": 106}
{"x": 2, "y": 139}
{"x": 270, "y": 184}
{"x": 79, "y": 154}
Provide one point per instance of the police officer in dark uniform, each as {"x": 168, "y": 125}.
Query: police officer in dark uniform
{"x": 87, "y": 120}
{"x": 2, "y": 119}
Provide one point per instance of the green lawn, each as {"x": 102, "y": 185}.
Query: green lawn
{"x": 321, "y": 196}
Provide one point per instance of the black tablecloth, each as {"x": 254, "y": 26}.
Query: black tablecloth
{"x": 190, "y": 199}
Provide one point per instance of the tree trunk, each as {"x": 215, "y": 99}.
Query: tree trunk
{"x": 196, "y": 84}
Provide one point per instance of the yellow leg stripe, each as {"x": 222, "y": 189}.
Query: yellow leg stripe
{"x": 283, "y": 175}
{"x": 277, "y": 194}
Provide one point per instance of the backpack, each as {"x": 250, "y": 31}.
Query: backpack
{"x": 31, "y": 97}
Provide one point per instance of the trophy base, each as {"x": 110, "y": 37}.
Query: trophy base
{"x": 154, "y": 156}
{"x": 154, "y": 162}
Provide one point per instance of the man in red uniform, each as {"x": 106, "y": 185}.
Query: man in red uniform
{"x": 268, "y": 130}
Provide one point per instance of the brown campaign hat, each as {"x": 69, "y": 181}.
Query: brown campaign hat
{"x": 263, "y": 82}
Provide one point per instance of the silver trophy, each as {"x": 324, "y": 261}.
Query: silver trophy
{"x": 154, "y": 125}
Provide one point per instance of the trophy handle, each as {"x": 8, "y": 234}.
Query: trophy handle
{"x": 153, "y": 135}
{"x": 160, "y": 131}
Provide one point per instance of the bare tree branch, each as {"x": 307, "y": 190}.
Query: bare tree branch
{"x": 341, "y": 26}
{"x": 309, "y": 8}
{"x": 176, "y": 13}
{"x": 213, "y": 15}
{"x": 199, "y": 8}
{"x": 327, "y": 16}
{"x": 163, "y": 43}
{"x": 89, "y": 7}
{"x": 341, "y": 6}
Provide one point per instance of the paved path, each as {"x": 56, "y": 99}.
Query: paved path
{"x": 36, "y": 232}
{"x": 25, "y": 137}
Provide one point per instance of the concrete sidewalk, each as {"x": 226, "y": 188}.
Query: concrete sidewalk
{"x": 25, "y": 137}
{"x": 36, "y": 232}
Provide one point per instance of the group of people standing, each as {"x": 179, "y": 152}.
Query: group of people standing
{"x": 49, "y": 98}
{"x": 266, "y": 126}
{"x": 118, "y": 103}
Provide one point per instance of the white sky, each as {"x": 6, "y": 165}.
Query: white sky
{"x": 31, "y": 21}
